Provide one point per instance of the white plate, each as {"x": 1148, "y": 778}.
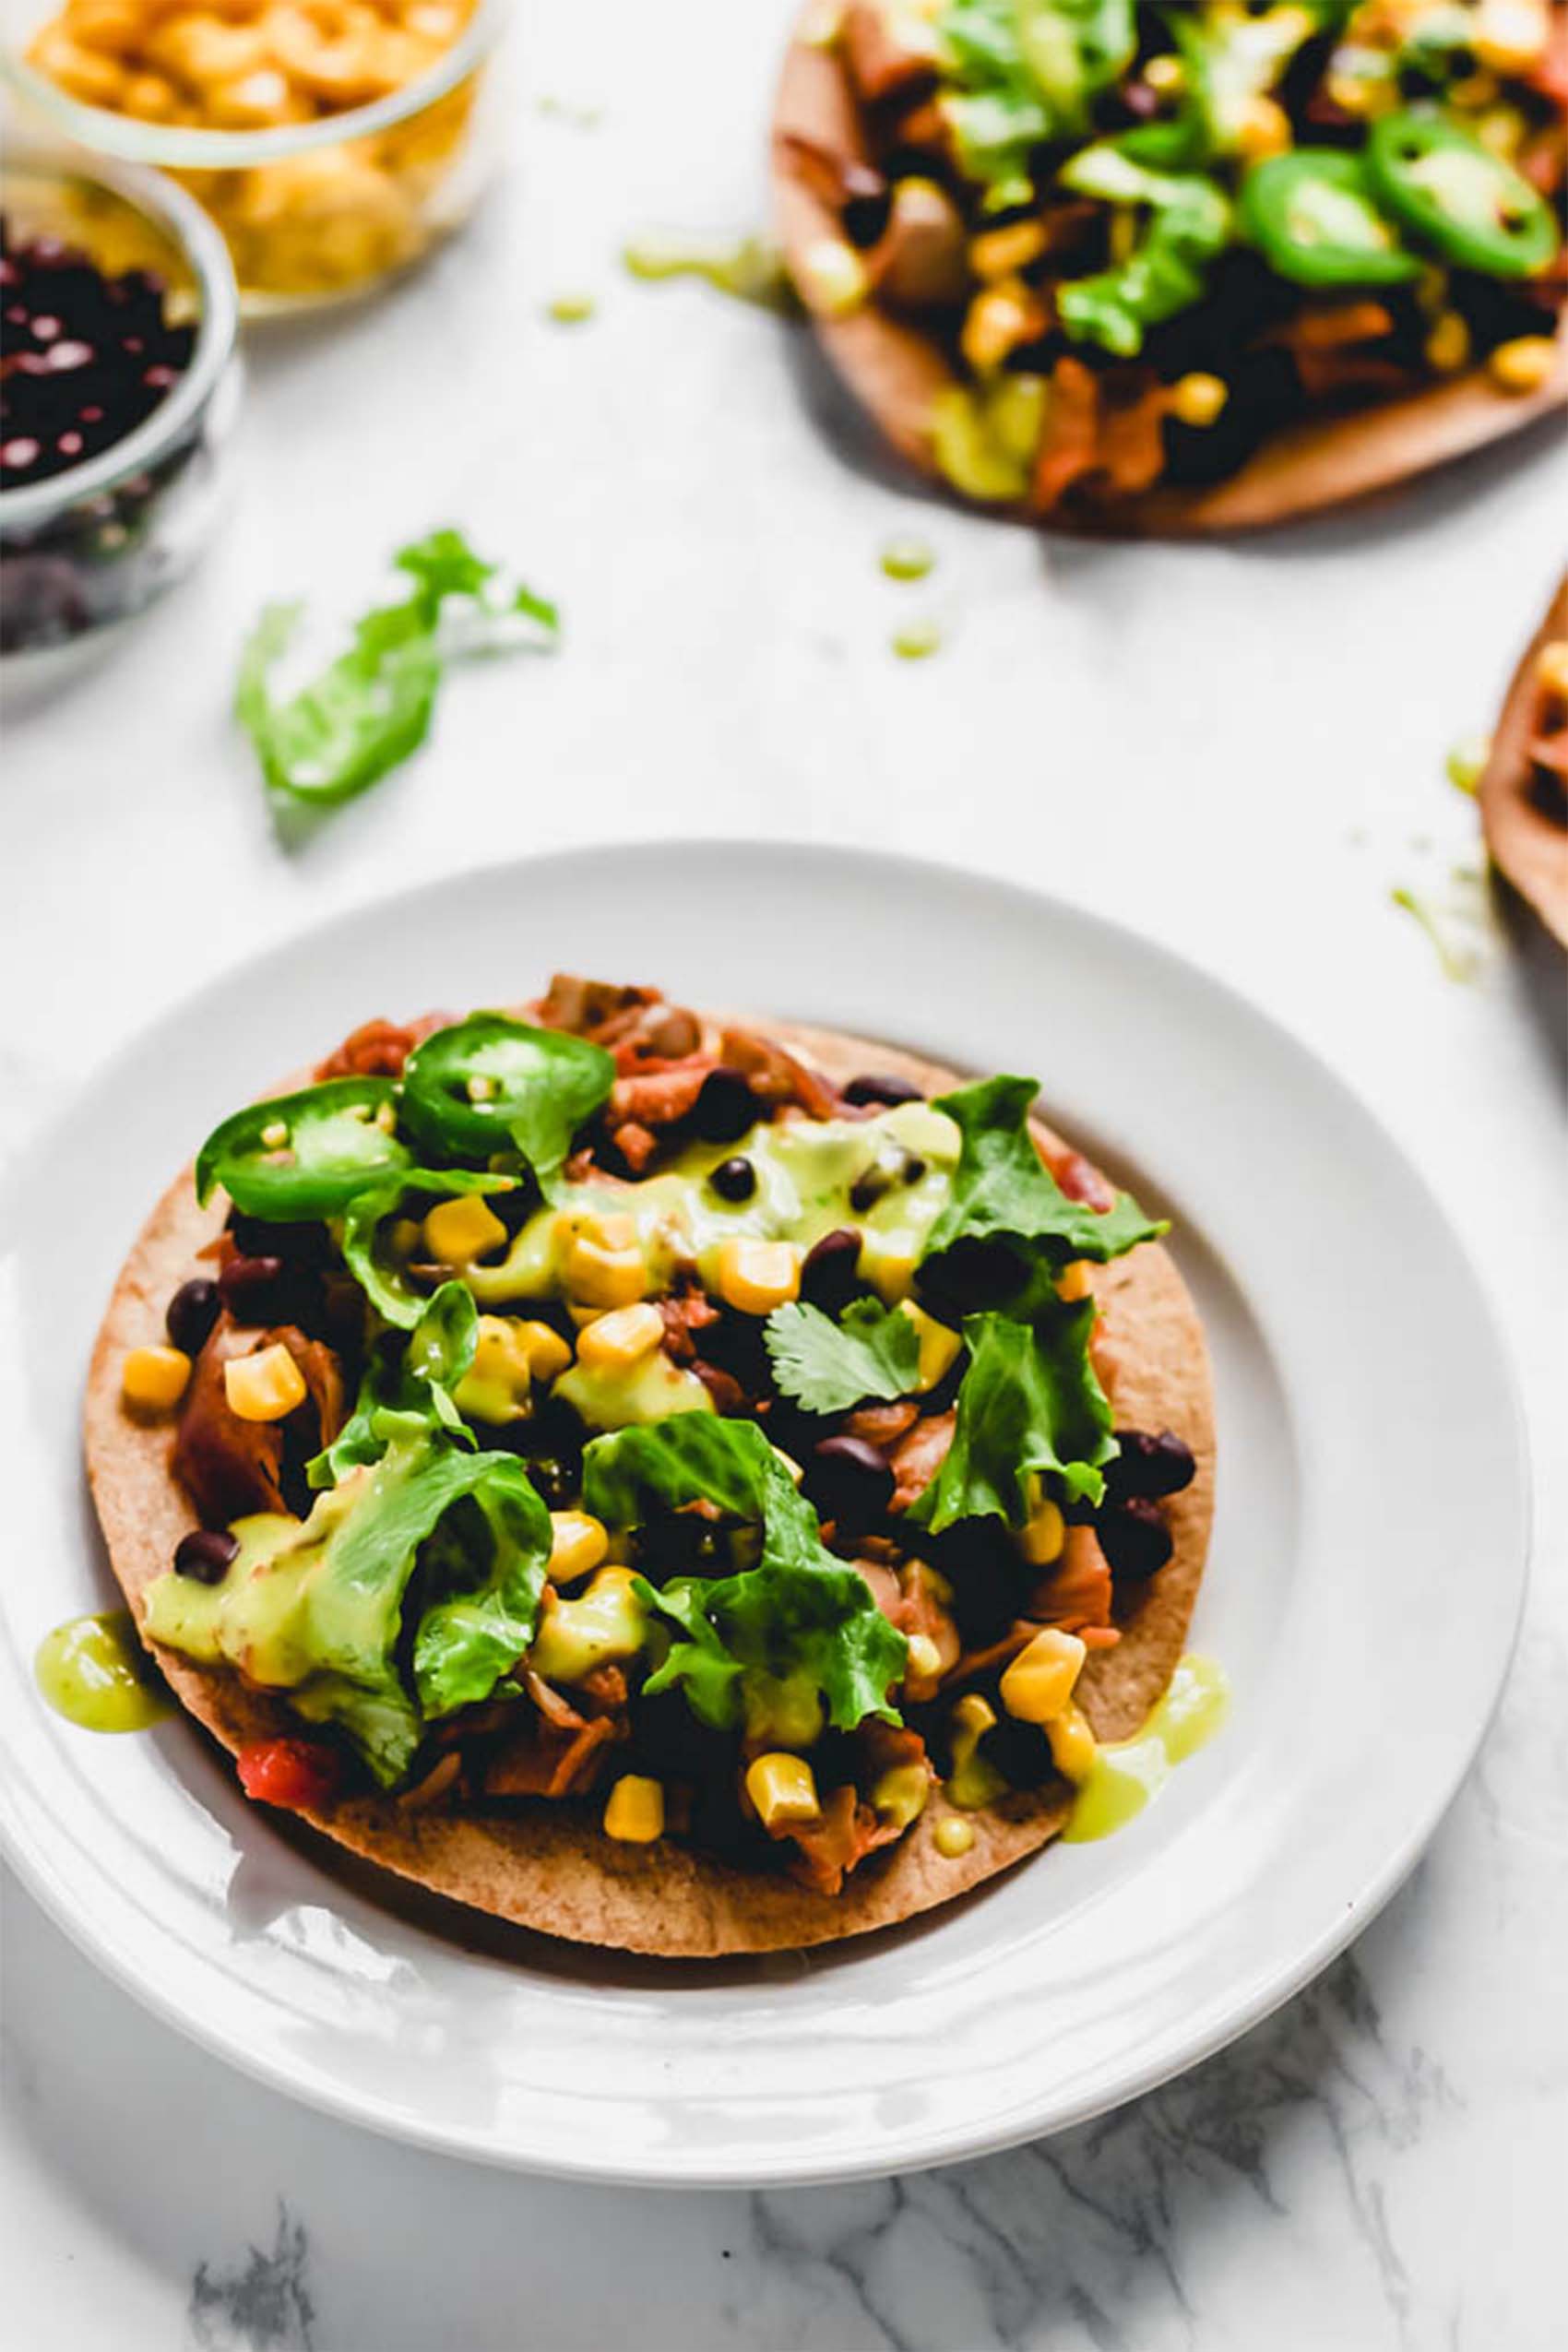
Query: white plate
{"x": 1371, "y": 1471}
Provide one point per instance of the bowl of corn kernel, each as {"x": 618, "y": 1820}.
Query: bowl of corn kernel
{"x": 332, "y": 141}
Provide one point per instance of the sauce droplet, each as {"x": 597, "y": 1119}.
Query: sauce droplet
{"x": 918, "y": 642}
{"x": 750, "y": 268}
{"x": 1127, "y": 1773}
{"x": 952, "y": 1836}
{"x": 94, "y": 1672}
{"x": 571, "y": 310}
{"x": 907, "y": 559}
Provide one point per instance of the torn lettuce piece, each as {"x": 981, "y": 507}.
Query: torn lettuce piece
{"x": 316, "y": 1610}
{"x": 384, "y": 1282}
{"x": 1004, "y": 1192}
{"x": 415, "y": 1378}
{"x": 800, "y": 1612}
{"x": 370, "y": 707}
{"x": 1031, "y": 1403}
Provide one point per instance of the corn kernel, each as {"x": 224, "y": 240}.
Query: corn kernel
{"x": 1073, "y": 1282}
{"x": 266, "y": 1387}
{"x": 154, "y": 1378}
{"x": 1198, "y": 398}
{"x": 831, "y": 278}
{"x": 756, "y": 1277}
{"x": 974, "y": 1780}
{"x": 1072, "y": 1744}
{"x": 783, "y": 1789}
{"x": 548, "y": 1353}
{"x": 497, "y": 1384}
{"x": 1551, "y": 669}
{"x": 577, "y": 1543}
{"x": 634, "y": 1813}
{"x": 939, "y": 1346}
{"x": 925, "y": 1659}
{"x": 999, "y": 317}
{"x": 1525, "y": 364}
{"x": 1166, "y": 74}
{"x": 1044, "y": 1534}
{"x": 1448, "y": 343}
{"x": 900, "y": 1795}
{"x": 1001, "y": 253}
{"x": 457, "y": 1232}
{"x": 1265, "y": 129}
{"x": 1038, "y": 1683}
{"x": 603, "y": 1265}
{"x": 953, "y": 1838}
{"x": 615, "y": 1341}
{"x": 1510, "y": 35}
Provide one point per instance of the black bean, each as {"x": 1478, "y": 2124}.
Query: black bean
{"x": 734, "y": 1179}
{"x": 191, "y": 1313}
{"x": 204, "y": 1554}
{"x": 253, "y": 1289}
{"x": 304, "y": 1241}
{"x": 1134, "y": 1537}
{"x": 725, "y": 1107}
{"x": 1149, "y": 1465}
{"x": 848, "y": 1482}
{"x": 829, "y": 1275}
{"x": 868, "y": 1189}
{"x": 881, "y": 1088}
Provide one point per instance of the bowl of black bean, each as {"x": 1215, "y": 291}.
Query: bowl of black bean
{"x": 119, "y": 385}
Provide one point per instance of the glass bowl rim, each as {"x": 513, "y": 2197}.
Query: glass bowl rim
{"x": 184, "y": 222}
{"x": 217, "y": 151}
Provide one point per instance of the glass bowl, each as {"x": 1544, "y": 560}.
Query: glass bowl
{"x": 311, "y": 212}
{"x": 96, "y": 543}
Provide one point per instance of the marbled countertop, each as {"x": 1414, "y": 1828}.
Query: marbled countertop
{"x": 1240, "y": 749}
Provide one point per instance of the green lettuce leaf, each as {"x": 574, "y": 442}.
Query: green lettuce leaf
{"x": 319, "y": 1611}
{"x": 828, "y": 1366}
{"x": 1018, "y": 73}
{"x": 1003, "y": 1191}
{"x": 1029, "y": 1403}
{"x": 416, "y": 1379}
{"x": 385, "y": 1286}
{"x": 800, "y": 1612}
{"x": 368, "y": 710}
{"x": 1190, "y": 221}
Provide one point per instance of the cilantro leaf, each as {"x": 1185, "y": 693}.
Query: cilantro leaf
{"x": 1029, "y": 1402}
{"x": 369, "y": 710}
{"x": 1003, "y": 1191}
{"x": 800, "y": 1611}
{"x": 828, "y": 1366}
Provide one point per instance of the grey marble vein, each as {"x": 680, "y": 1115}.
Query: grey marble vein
{"x": 262, "y": 2304}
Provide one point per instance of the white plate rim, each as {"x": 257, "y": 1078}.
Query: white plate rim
{"x": 1269, "y": 1994}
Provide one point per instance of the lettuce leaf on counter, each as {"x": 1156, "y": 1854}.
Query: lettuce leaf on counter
{"x": 1029, "y": 1403}
{"x": 801, "y": 1613}
{"x": 366, "y": 712}
{"x": 827, "y": 1366}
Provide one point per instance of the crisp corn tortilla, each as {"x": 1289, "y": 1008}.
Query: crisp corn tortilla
{"x": 896, "y": 371}
{"x": 546, "y": 1865}
{"x": 1527, "y": 845}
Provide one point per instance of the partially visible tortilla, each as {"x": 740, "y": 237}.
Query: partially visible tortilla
{"x": 1527, "y": 845}
{"x": 896, "y": 371}
{"x": 547, "y": 1865}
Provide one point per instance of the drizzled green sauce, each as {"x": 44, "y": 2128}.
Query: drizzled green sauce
{"x": 748, "y": 268}
{"x": 1128, "y": 1773}
{"x": 94, "y": 1672}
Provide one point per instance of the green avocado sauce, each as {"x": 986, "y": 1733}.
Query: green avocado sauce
{"x": 806, "y": 1170}
{"x": 748, "y": 268}
{"x": 94, "y": 1672}
{"x": 1128, "y": 1773}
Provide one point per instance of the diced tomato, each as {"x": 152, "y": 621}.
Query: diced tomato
{"x": 296, "y": 1774}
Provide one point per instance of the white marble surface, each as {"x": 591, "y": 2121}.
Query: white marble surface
{"x": 1238, "y": 750}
